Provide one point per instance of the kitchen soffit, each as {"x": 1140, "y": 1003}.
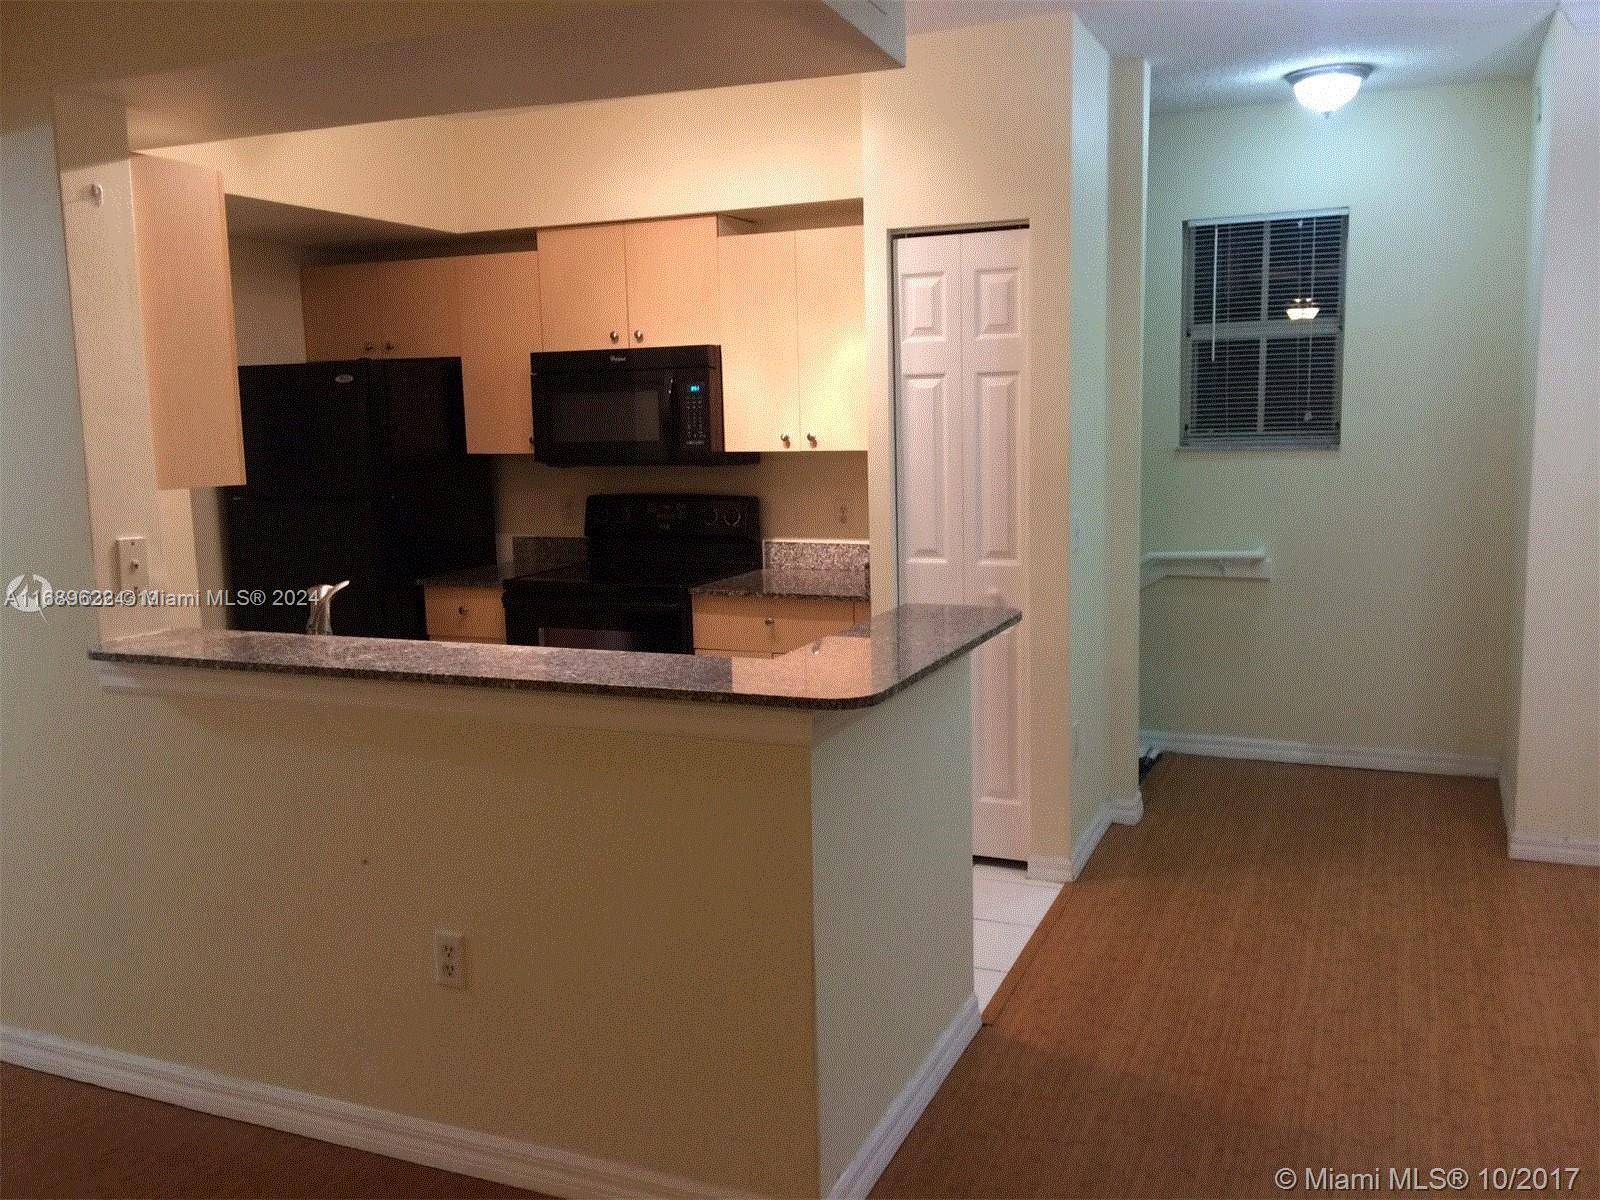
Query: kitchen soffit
{"x": 523, "y": 54}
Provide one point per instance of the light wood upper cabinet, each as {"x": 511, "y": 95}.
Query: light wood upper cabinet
{"x": 186, "y": 302}
{"x": 419, "y": 304}
{"x": 500, "y": 328}
{"x": 583, "y": 287}
{"x": 407, "y": 309}
{"x": 831, "y": 287}
{"x": 672, "y": 282}
{"x": 645, "y": 283}
{"x": 794, "y": 340}
{"x": 340, "y": 309}
{"x": 760, "y": 352}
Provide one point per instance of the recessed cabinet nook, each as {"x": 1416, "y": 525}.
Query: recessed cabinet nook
{"x": 786, "y": 307}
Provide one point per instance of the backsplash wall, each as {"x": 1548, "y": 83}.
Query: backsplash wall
{"x": 802, "y": 495}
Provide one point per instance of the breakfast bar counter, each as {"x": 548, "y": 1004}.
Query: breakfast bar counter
{"x": 780, "y": 970}
{"x": 857, "y": 669}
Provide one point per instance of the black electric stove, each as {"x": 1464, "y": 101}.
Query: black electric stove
{"x": 645, "y": 554}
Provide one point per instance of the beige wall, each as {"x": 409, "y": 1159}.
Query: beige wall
{"x": 904, "y": 932}
{"x": 1129, "y": 138}
{"x": 975, "y": 131}
{"x": 717, "y": 150}
{"x": 1384, "y": 626}
{"x": 1087, "y": 393}
{"x": 398, "y": 171}
{"x": 627, "y": 995}
{"x": 714, "y": 150}
{"x": 801, "y": 494}
{"x": 266, "y": 301}
{"x": 1551, "y": 774}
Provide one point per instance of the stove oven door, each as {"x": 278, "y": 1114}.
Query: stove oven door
{"x": 534, "y": 617}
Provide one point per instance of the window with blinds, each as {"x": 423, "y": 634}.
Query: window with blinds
{"x": 1263, "y": 330}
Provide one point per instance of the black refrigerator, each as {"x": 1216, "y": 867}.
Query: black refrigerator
{"x": 354, "y": 470}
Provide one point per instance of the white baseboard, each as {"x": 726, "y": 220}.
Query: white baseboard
{"x": 505, "y": 1160}
{"x": 1573, "y": 851}
{"x": 1054, "y": 868}
{"x": 1051, "y": 868}
{"x": 858, "y": 1178}
{"x": 1129, "y": 811}
{"x": 1421, "y": 762}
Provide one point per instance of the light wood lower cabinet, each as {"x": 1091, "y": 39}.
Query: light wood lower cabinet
{"x": 793, "y": 340}
{"x": 753, "y": 625}
{"x": 464, "y": 614}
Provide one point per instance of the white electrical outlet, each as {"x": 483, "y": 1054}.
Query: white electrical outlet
{"x": 449, "y": 958}
{"x": 133, "y": 564}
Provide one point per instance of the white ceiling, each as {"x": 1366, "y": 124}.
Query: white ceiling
{"x": 1220, "y": 53}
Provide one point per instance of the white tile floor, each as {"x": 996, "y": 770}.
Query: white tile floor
{"x": 1006, "y": 907}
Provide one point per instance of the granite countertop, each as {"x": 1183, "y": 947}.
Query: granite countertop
{"x": 791, "y": 581}
{"x": 857, "y": 669}
{"x": 486, "y": 577}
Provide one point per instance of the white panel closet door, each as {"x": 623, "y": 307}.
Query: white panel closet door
{"x": 927, "y": 308}
{"x": 994, "y": 357}
{"x": 961, "y": 303}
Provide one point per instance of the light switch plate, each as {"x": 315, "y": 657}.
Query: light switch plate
{"x": 133, "y": 564}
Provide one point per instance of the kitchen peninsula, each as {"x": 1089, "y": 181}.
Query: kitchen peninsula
{"x": 718, "y": 909}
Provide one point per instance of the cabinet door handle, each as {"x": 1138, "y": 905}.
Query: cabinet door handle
{"x": 812, "y": 438}
{"x": 785, "y": 439}
{"x": 370, "y": 347}
{"x": 615, "y": 336}
{"x": 768, "y": 621}
{"x": 388, "y": 345}
{"x": 638, "y": 335}
{"x": 462, "y": 610}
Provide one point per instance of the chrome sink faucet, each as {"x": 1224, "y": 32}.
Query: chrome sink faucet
{"x": 321, "y": 618}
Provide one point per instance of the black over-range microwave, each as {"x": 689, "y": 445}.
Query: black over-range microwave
{"x": 644, "y": 407}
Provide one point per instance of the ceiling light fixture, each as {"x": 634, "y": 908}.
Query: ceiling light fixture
{"x": 1328, "y": 88}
